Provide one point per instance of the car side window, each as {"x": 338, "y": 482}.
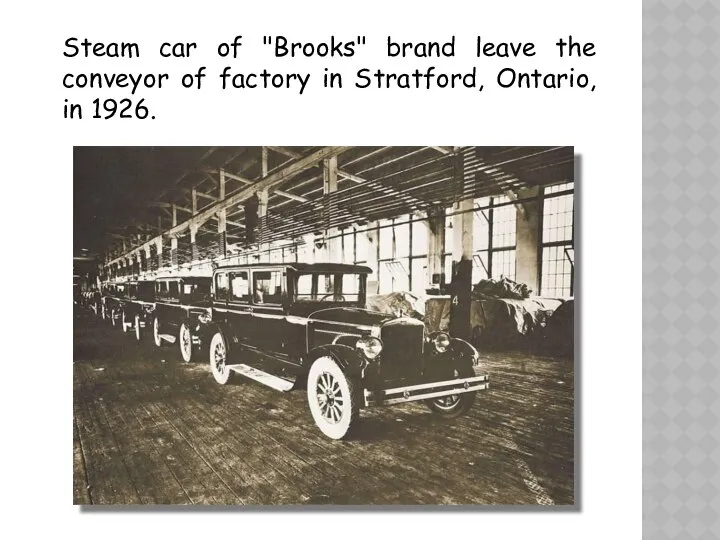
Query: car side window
{"x": 240, "y": 287}
{"x": 267, "y": 287}
{"x": 174, "y": 291}
{"x": 222, "y": 285}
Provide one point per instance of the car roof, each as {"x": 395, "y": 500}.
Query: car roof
{"x": 172, "y": 278}
{"x": 304, "y": 267}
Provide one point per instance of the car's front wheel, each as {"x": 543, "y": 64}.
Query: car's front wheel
{"x": 454, "y": 405}
{"x": 123, "y": 320}
{"x": 218, "y": 359}
{"x": 113, "y": 317}
{"x": 332, "y": 398}
{"x": 185, "y": 340}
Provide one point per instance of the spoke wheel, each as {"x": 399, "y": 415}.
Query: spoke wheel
{"x": 454, "y": 405}
{"x": 332, "y": 398}
{"x": 185, "y": 339}
{"x": 124, "y": 322}
{"x": 138, "y": 330}
{"x": 113, "y": 317}
{"x": 156, "y": 333}
{"x": 218, "y": 358}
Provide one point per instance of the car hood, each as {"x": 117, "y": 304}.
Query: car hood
{"x": 350, "y": 315}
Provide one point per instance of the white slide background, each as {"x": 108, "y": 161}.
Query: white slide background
{"x": 604, "y": 127}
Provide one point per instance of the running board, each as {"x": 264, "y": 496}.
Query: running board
{"x": 264, "y": 378}
{"x": 168, "y": 337}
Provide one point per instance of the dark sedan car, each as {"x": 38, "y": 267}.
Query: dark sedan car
{"x": 110, "y": 302}
{"x": 179, "y": 302}
{"x": 294, "y": 325}
{"x": 136, "y": 308}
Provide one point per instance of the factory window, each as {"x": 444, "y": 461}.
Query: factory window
{"x": 348, "y": 246}
{"x": 494, "y": 238}
{"x": 402, "y": 255}
{"x": 558, "y": 256}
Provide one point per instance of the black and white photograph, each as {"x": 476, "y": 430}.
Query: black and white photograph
{"x": 351, "y": 326}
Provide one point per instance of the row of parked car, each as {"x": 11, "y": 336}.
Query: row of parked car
{"x": 295, "y": 326}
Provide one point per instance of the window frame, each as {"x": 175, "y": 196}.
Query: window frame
{"x": 231, "y": 298}
{"x": 556, "y": 243}
{"x": 278, "y": 304}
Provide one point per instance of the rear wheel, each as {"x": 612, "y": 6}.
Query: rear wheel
{"x": 138, "y": 330}
{"x": 218, "y": 359}
{"x": 454, "y": 405}
{"x": 113, "y": 317}
{"x": 156, "y": 333}
{"x": 123, "y": 320}
{"x": 332, "y": 398}
{"x": 185, "y": 340}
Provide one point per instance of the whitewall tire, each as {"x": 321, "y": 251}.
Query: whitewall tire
{"x": 186, "y": 344}
{"x": 332, "y": 398}
{"x": 218, "y": 359}
{"x": 156, "y": 332}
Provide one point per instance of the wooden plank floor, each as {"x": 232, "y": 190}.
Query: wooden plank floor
{"x": 150, "y": 429}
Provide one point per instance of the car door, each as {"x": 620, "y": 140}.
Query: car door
{"x": 269, "y": 324}
{"x": 238, "y": 316}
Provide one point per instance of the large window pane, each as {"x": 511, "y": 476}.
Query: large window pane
{"x": 558, "y": 219}
{"x": 557, "y": 271}
{"x": 481, "y": 228}
{"x": 503, "y": 264}
{"x": 420, "y": 279}
{"x": 559, "y": 187}
{"x": 386, "y": 240}
{"x": 419, "y": 237}
{"x": 385, "y": 279}
{"x": 348, "y": 241}
{"x": 361, "y": 247}
{"x": 402, "y": 240}
{"x": 480, "y": 266}
{"x": 504, "y": 223}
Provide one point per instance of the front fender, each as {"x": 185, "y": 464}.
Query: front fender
{"x": 465, "y": 351}
{"x": 347, "y": 358}
{"x": 206, "y": 331}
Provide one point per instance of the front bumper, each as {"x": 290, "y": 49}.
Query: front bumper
{"x": 432, "y": 390}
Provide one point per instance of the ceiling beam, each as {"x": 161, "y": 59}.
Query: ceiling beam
{"x": 270, "y": 183}
{"x": 249, "y": 182}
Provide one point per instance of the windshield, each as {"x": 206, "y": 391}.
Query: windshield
{"x": 321, "y": 287}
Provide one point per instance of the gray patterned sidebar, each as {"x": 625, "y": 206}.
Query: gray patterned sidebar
{"x": 681, "y": 289}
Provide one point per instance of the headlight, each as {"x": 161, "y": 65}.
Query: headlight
{"x": 441, "y": 341}
{"x": 370, "y": 346}
{"x": 205, "y": 317}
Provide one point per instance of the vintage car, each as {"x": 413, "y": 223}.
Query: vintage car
{"x": 294, "y": 325}
{"x": 137, "y": 307}
{"x": 112, "y": 296}
{"x": 179, "y": 301}
{"x": 91, "y": 300}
